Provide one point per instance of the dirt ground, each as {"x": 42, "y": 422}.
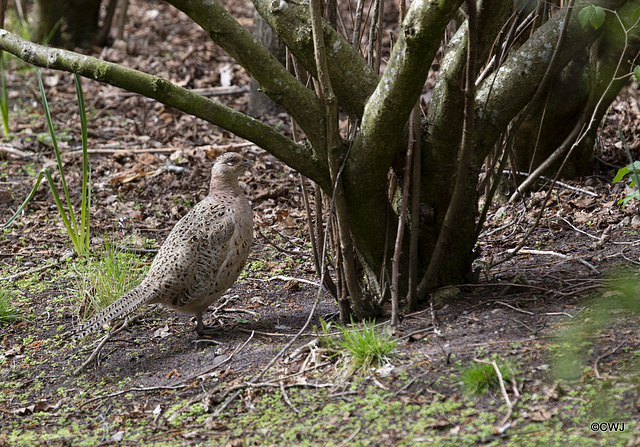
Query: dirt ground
{"x": 155, "y": 384}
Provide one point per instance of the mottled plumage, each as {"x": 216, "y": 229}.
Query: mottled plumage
{"x": 202, "y": 256}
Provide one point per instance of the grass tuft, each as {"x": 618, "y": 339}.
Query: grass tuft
{"x": 107, "y": 277}
{"x": 365, "y": 347}
{"x": 8, "y": 312}
{"x": 480, "y": 378}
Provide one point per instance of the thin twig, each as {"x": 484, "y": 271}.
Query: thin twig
{"x": 39, "y": 268}
{"x": 242, "y": 311}
{"x": 236, "y": 389}
{"x": 217, "y": 365}
{"x": 607, "y": 354}
{"x": 417, "y": 331}
{"x": 282, "y": 250}
{"x": 503, "y": 390}
{"x": 566, "y": 146}
{"x": 131, "y": 390}
{"x": 395, "y": 262}
{"x": 291, "y": 278}
{"x": 285, "y": 396}
{"x": 16, "y": 152}
{"x": 554, "y": 253}
{"x": 352, "y": 436}
{"x": 411, "y": 382}
{"x": 267, "y": 334}
{"x": 514, "y": 308}
{"x": 283, "y": 278}
{"x": 138, "y": 251}
{"x": 97, "y": 350}
{"x": 564, "y": 185}
{"x": 415, "y": 135}
{"x": 578, "y": 229}
{"x": 633, "y": 261}
{"x": 357, "y": 26}
{"x": 156, "y": 150}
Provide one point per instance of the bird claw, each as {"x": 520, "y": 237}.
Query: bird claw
{"x": 204, "y": 331}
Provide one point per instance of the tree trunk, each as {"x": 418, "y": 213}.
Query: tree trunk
{"x": 260, "y": 104}
{"x": 582, "y": 91}
{"x": 71, "y": 23}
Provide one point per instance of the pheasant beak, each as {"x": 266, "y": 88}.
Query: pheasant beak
{"x": 246, "y": 164}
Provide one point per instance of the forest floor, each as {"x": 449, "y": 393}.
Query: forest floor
{"x": 553, "y": 317}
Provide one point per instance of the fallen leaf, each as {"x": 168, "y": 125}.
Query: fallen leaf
{"x": 117, "y": 437}
{"x": 541, "y": 415}
{"x": 162, "y": 332}
{"x": 38, "y": 407}
{"x": 173, "y": 373}
{"x": 17, "y": 349}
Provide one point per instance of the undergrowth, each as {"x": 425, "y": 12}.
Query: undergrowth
{"x": 363, "y": 347}
{"x": 480, "y": 378}
{"x": 8, "y": 312}
{"x": 105, "y": 278}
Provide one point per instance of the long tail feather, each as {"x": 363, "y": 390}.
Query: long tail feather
{"x": 122, "y": 307}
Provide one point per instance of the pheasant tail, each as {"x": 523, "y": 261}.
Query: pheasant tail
{"x": 122, "y": 307}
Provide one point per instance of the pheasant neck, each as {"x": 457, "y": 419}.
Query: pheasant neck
{"x": 219, "y": 184}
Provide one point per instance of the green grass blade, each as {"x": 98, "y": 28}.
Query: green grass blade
{"x": 27, "y": 200}
{"x": 8, "y": 312}
{"x": 46, "y": 39}
{"x": 86, "y": 185}
{"x": 54, "y": 141}
{"x": 87, "y": 224}
{"x": 4, "y": 101}
{"x": 72, "y": 235}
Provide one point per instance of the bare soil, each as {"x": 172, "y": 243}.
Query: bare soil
{"x": 154, "y": 385}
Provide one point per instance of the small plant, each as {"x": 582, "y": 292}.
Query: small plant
{"x": 366, "y": 347}
{"x": 480, "y": 378}
{"x": 107, "y": 277}
{"x": 593, "y": 15}
{"x": 78, "y": 232}
{"x": 8, "y": 312}
{"x": 632, "y": 168}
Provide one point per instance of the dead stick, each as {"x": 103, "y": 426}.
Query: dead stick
{"x": 503, "y": 390}
{"x": 395, "y": 262}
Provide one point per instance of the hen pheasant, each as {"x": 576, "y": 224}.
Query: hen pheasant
{"x": 202, "y": 256}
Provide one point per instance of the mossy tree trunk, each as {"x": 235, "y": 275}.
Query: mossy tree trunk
{"x": 582, "y": 91}
{"x": 260, "y": 105}
{"x": 71, "y": 23}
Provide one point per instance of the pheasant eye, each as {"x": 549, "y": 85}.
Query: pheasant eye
{"x": 230, "y": 163}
